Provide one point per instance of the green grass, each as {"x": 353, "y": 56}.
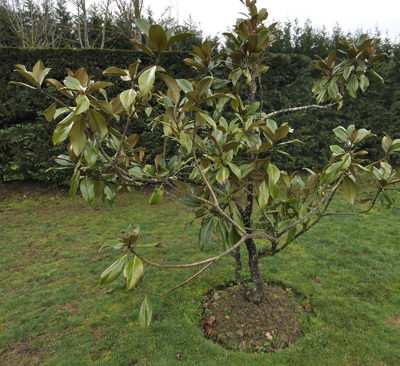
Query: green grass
{"x": 53, "y": 311}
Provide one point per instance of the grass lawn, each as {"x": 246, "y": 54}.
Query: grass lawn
{"x": 53, "y": 311}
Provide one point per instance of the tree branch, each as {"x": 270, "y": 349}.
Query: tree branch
{"x": 313, "y": 210}
{"x": 323, "y": 214}
{"x": 302, "y": 108}
{"x": 360, "y": 212}
{"x": 206, "y": 261}
{"x": 124, "y": 133}
{"x": 191, "y": 278}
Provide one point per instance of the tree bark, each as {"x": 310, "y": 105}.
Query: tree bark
{"x": 254, "y": 293}
{"x": 137, "y": 8}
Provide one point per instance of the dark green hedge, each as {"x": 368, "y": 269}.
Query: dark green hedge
{"x": 19, "y": 105}
{"x": 26, "y": 151}
{"x": 25, "y": 137}
{"x": 25, "y": 143}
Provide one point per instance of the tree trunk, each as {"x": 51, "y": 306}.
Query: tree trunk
{"x": 253, "y": 293}
{"x": 85, "y": 24}
{"x": 137, "y": 7}
{"x": 238, "y": 271}
{"x": 105, "y": 20}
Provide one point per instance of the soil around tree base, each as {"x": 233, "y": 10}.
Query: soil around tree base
{"x": 237, "y": 324}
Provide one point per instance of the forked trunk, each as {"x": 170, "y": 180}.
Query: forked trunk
{"x": 252, "y": 293}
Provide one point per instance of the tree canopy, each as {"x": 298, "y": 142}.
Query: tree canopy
{"x": 227, "y": 163}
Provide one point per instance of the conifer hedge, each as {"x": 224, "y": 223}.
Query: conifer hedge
{"x": 25, "y": 138}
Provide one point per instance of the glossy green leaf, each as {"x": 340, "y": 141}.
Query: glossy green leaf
{"x": 263, "y": 195}
{"x": 145, "y": 313}
{"x": 173, "y": 86}
{"x": 103, "y": 106}
{"x": 222, "y": 175}
{"x": 205, "y": 233}
{"x": 49, "y": 113}
{"x": 336, "y": 150}
{"x": 341, "y": 134}
{"x": 96, "y": 86}
{"x": 148, "y": 111}
{"x": 346, "y": 161}
{"x": 347, "y": 71}
{"x": 114, "y": 271}
{"x": 77, "y": 136}
{"x": 333, "y": 90}
{"x": 22, "y": 84}
{"x": 185, "y": 85}
{"x": 97, "y": 122}
{"x": 273, "y": 173}
{"x": 82, "y": 104}
{"x": 21, "y": 69}
{"x": 273, "y": 189}
{"x": 282, "y": 132}
{"x": 127, "y": 98}
{"x": 143, "y": 48}
{"x": 364, "y": 83}
{"x": 204, "y": 117}
{"x": 352, "y": 86}
{"x": 61, "y": 133}
{"x": 362, "y": 134}
{"x": 349, "y": 189}
{"x": 246, "y": 169}
{"x": 74, "y": 183}
{"x": 87, "y": 189}
{"x": 186, "y": 142}
{"x": 156, "y": 196}
{"x": 143, "y": 25}
{"x": 115, "y": 71}
{"x": 109, "y": 194}
{"x": 395, "y": 146}
{"x": 158, "y": 38}
{"x": 91, "y": 153}
{"x": 386, "y": 143}
{"x": 133, "y": 271}
{"x": 291, "y": 234}
{"x": 235, "y": 76}
{"x": 132, "y": 229}
{"x": 39, "y": 71}
{"x": 146, "y": 80}
{"x": 235, "y": 170}
{"x": 114, "y": 244}
{"x": 222, "y": 230}
{"x": 72, "y": 83}
{"x": 271, "y": 124}
{"x": 178, "y": 37}
{"x": 376, "y": 75}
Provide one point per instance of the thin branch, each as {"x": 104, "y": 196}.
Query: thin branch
{"x": 214, "y": 197}
{"x": 323, "y": 214}
{"x": 56, "y": 99}
{"x": 188, "y": 280}
{"x": 312, "y": 211}
{"x": 124, "y": 133}
{"x": 360, "y": 212}
{"x": 302, "y": 108}
{"x": 191, "y": 278}
{"x": 209, "y": 260}
{"x": 269, "y": 221}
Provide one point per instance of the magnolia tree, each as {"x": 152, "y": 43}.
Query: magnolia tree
{"x": 225, "y": 163}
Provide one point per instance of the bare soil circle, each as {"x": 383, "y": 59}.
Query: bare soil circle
{"x": 237, "y": 324}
